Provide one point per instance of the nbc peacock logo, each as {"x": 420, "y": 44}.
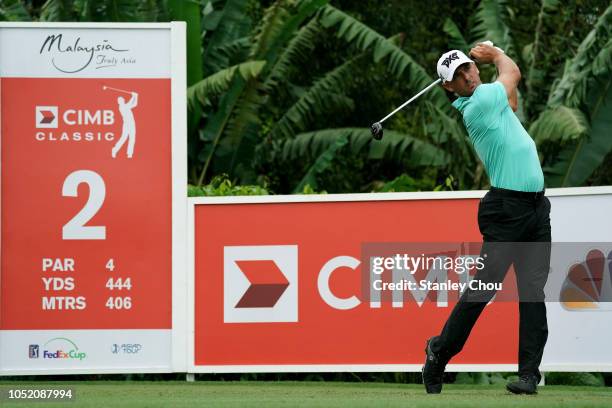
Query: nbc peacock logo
{"x": 588, "y": 285}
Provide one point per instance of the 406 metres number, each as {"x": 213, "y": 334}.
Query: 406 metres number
{"x": 118, "y": 303}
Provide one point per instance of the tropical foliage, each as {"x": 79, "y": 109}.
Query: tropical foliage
{"x": 282, "y": 92}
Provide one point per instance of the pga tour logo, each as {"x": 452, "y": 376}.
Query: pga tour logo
{"x": 46, "y": 117}
{"x": 33, "y": 351}
{"x": 260, "y": 284}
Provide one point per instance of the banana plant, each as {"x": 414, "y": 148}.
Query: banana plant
{"x": 285, "y": 37}
{"x": 14, "y": 10}
{"x": 489, "y": 22}
{"x": 574, "y": 131}
{"x": 325, "y": 144}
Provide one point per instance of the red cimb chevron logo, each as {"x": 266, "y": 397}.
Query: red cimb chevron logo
{"x": 268, "y": 283}
{"x": 260, "y": 284}
{"x": 47, "y": 116}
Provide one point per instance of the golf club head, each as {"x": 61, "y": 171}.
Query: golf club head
{"x": 377, "y": 130}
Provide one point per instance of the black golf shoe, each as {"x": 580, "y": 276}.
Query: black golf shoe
{"x": 527, "y": 384}
{"x": 433, "y": 369}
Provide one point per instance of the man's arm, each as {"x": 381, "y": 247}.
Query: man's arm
{"x": 134, "y": 100}
{"x": 509, "y": 73}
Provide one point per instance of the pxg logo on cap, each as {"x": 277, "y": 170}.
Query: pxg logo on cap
{"x": 46, "y": 117}
{"x": 448, "y": 63}
{"x": 260, "y": 284}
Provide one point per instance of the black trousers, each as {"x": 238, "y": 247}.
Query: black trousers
{"x": 516, "y": 230}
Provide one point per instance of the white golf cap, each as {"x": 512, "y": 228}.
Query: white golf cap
{"x": 448, "y": 63}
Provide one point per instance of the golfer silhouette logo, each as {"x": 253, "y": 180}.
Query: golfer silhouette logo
{"x": 128, "y": 130}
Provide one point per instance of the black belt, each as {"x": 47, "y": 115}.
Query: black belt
{"x": 502, "y": 192}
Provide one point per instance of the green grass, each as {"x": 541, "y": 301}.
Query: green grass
{"x": 307, "y": 394}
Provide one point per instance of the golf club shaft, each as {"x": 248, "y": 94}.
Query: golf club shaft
{"x": 410, "y": 100}
{"x": 118, "y": 90}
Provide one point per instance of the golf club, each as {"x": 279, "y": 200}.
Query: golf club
{"x": 377, "y": 129}
{"x": 104, "y": 87}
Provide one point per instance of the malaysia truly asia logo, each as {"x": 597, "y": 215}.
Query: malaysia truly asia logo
{"x": 74, "y": 54}
{"x": 588, "y": 285}
{"x": 57, "y": 348}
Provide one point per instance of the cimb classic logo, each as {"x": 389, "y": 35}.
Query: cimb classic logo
{"x": 260, "y": 284}
{"x": 47, "y": 117}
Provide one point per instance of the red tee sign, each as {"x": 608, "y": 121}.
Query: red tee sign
{"x": 87, "y": 198}
{"x": 278, "y": 287}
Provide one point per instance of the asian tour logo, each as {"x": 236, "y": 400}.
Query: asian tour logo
{"x": 260, "y": 284}
{"x": 126, "y": 348}
{"x": 58, "y": 348}
{"x": 77, "y": 125}
{"x": 588, "y": 285}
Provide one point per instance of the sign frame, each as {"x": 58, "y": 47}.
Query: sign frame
{"x": 444, "y": 195}
{"x": 178, "y": 143}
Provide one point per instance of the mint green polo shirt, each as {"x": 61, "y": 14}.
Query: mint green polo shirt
{"x": 507, "y": 151}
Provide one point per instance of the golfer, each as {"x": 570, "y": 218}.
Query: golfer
{"x": 513, "y": 217}
{"x": 128, "y": 130}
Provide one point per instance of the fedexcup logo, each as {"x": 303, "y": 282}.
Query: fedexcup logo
{"x": 62, "y": 348}
{"x": 46, "y": 117}
{"x": 588, "y": 286}
{"x": 260, "y": 284}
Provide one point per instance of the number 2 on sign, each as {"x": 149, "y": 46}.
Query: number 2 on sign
{"x": 75, "y": 228}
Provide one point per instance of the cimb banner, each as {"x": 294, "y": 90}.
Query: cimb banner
{"x": 93, "y": 192}
{"x": 359, "y": 282}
